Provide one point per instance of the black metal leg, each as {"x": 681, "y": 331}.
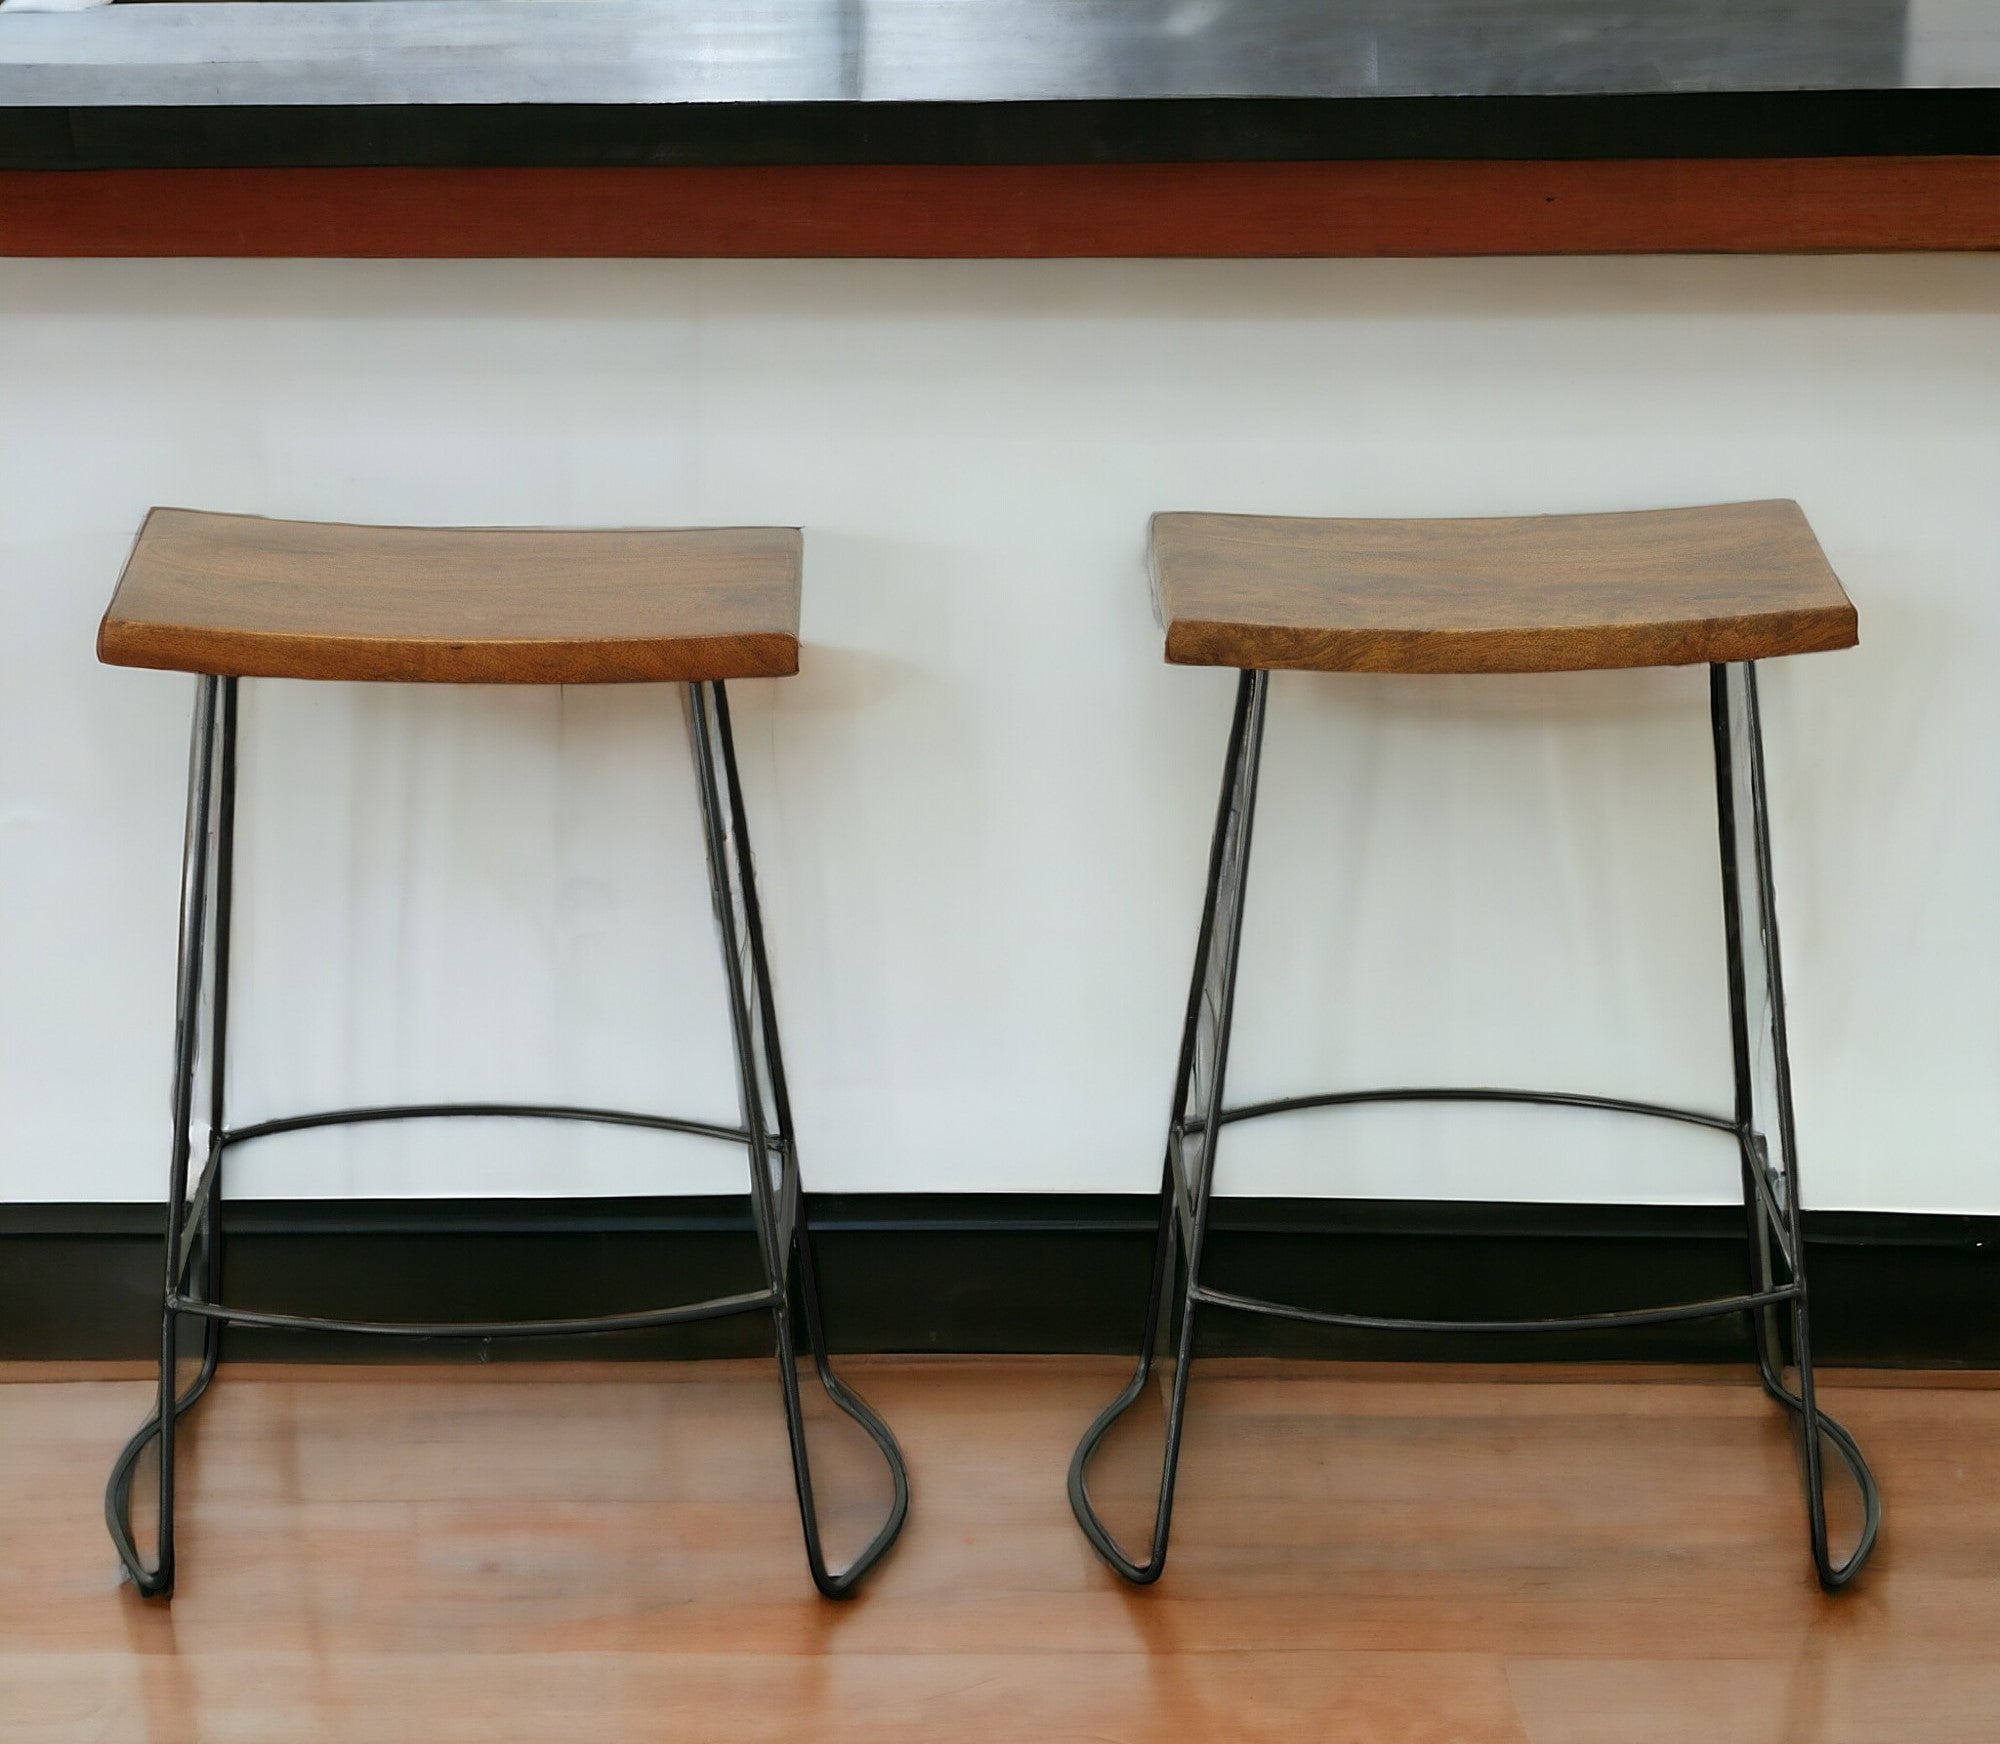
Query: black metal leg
{"x": 194, "y": 1222}
{"x": 1770, "y": 1175}
{"x": 1768, "y": 1156}
{"x": 776, "y": 1195}
{"x": 206, "y": 874}
{"x": 209, "y": 1196}
{"x": 1194, "y": 1125}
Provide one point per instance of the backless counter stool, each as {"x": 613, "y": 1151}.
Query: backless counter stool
{"x": 1724, "y": 586}
{"x": 230, "y": 597}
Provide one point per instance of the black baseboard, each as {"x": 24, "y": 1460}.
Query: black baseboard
{"x": 1001, "y": 1273}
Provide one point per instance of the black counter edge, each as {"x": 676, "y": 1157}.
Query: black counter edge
{"x": 1691, "y": 125}
{"x": 1020, "y": 1273}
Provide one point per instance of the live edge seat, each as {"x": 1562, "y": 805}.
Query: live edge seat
{"x": 1723, "y": 586}
{"x": 242, "y": 596}
{"x": 1536, "y": 593}
{"x": 229, "y": 597}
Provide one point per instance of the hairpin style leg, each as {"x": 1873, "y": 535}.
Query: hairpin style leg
{"x": 206, "y": 873}
{"x": 777, "y": 1199}
{"x": 1770, "y": 1152}
{"x": 1193, "y": 1131}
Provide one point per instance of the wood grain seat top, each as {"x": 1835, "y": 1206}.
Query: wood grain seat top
{"x": 1541, "y": 593}
{"x": 241, "y": 596}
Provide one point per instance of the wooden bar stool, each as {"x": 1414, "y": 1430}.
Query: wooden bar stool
{"x": 230, "y": 597}
{"x": 1725, "y": 586}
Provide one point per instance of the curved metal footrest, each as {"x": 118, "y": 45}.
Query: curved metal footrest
{"x": 716, "y": 1308}
{"x": 394, "y": 1111}
{"x": 1667, "y": 1316}
{"x": 1471, "y": 1093}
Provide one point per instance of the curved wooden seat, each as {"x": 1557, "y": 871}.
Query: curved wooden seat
{"x": 1543, "y": 593}
{"x": 240, "y": 596}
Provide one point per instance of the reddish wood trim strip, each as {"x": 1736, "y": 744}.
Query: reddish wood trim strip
{"x": 1757, "y": 206}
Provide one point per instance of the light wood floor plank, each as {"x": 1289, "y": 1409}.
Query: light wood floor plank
{"x": 1361, "y": 1554}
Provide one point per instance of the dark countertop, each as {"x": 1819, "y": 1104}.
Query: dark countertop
{"x": 316, "y": 83}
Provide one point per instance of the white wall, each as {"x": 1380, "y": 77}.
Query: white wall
{"x": 982, "y": 807}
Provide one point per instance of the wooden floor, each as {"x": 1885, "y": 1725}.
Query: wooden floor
{"x": 1423, "y": 1556}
